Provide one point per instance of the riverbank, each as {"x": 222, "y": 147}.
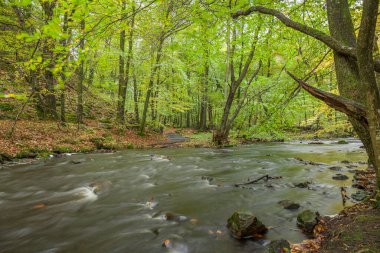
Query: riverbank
{"x": 32, "y": 138}
{"x": 354, "y": 229}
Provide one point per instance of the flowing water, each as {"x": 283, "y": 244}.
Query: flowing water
{"x": 117, "y": 202}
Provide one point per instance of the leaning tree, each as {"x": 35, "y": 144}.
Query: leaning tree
{"x": 355, "y": 67}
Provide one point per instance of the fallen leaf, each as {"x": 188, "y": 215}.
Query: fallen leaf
{"x": 39, "y": 206}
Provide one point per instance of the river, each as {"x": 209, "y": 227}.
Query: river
{"x": 117, "y": 202}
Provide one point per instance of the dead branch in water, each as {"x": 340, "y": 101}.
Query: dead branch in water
{"x": 265, "y": 178}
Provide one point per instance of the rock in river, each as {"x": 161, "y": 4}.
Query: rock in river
{"x": 359, "y": 195}
{"x": 302, "y": 185}
{"x": 290, "y": 205}
{"x": 245, "y": 225}
{"x": 335, "y": 168}
{"x": 340, "y": 177}
{"x": 307, "y": 221}
{"x": 278, "y": 246}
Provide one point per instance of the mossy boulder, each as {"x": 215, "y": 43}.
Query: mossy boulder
{"x": 244, "y": 225}
{"x": 307, "y": 220}
{"x": 278, "y": 246}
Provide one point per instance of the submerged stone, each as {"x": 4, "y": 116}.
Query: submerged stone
{"x": 340, "y": 177}
{"x": 335, "y": 168}
{"x": 307, "y": 220}
{"x": 359, "y": 195}
{"x": 174, "y": 217}
{"x": 342, "y": 142}
{"x": 290, "y": 205}
{"x": 208, "y": 178}
{"x": 302, "y": 185}
{"x": 278, "y": 246}
{"x": 316, "y": 142}
{"x": 76, "y": 161}
{"x": 243, "y": 225}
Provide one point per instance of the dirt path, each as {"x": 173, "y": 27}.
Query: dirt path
{"x": 174, "y": 137}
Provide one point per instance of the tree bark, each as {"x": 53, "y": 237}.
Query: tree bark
{"x": 63, "y": 76}
{"x": 136, "y": 98}
{"x": 204, "y": 97}
{"x": 124, "y": 79}
{"x": 81, "y": 76}
{"x": 346, "y": 69}
{"x": 221, "y": 135}
{"x": 122, "y": 85}
{"x": 49, "y": 99}
{"x": 368, "y": 77}
{"x": 151, "y": 82}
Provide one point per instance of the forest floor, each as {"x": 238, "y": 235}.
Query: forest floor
{"x": 33, "y": 138}
{"x": 357, "y": 231}
{"x": 41, "y": 138}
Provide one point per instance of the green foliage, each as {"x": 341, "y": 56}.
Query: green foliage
{"x": 197, "y": 35}
{"x": 6, "y": 106}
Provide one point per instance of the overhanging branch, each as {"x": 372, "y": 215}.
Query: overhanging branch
{"x": 315, "y": 33}
{"x": 339, "y": 103}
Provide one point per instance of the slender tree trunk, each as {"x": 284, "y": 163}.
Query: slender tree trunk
{"x": 123, "y": 81}
{"x": 154, "y": 101}
{"x": 210, "y": 115}
{"x": 151, "y": 82}
{"x": 63, "y": 77}
{"x": 122, "y": 85}
{"x": 48, "y": 55}
{"x": 81, "y": 77}
{"x": 91, "y": 73}
{"x": 204, "y": 101}
{"x": 136, "y": 98}
{"x": 221, "y": 135}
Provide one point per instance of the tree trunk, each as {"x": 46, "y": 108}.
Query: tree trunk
{"x": 63, "y": 76}
{"x": 136, "y": 98}
{"x": 368, "y": 77}
{"x": 122, "y": 85}
{"x": 123, "y": 81}
{"x": 151, "y": 82}
{"x": 347, "y": 72}
{"x": 81, "y": 76}
{"x": 204, "y": 97}
{"x": 221, "y": 135}
{"x": 49, "y": 100}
